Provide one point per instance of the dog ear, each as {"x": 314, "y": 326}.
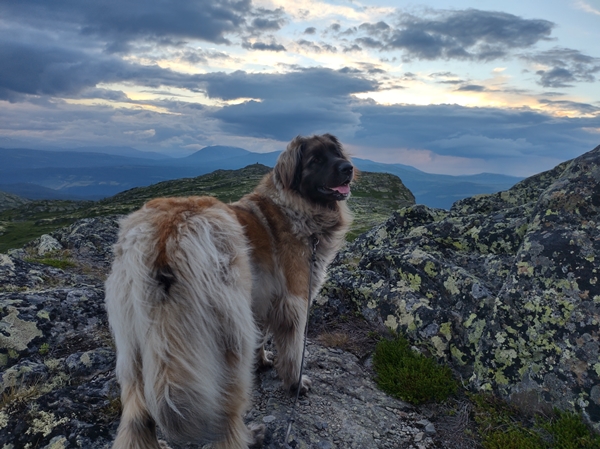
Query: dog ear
{"x": 288, "y": 169}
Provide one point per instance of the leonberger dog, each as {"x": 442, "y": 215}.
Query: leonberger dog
{"x": 196, "y": 284}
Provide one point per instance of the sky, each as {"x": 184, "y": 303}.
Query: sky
{"x": 457, "y": 87}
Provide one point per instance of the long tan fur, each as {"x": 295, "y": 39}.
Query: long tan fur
{"x": 193, "y": 283}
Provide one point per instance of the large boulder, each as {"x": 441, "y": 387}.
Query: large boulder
{"x": 504, "y": 287}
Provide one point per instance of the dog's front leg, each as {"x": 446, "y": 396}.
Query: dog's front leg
{"x": 288, "y": 332}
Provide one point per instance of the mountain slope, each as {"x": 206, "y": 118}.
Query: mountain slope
{"x": 375, "y": 197}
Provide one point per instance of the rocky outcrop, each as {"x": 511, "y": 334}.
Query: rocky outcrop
{"x": 10, "y": 201}
{"x": 503, "y": 286}
{"x": 57, "y": 384}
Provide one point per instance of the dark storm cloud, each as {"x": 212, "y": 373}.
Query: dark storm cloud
{"x": 299, "y": 102}
{"x": 485, "y": 133}
{"x": 467, "y": 34}
{"x": 312, "y": 82}
{"x": 119, "y": 22}
{"x": 46, "y": 69}
{"x": 275, "y": 118}
{"x": 566, "y": 66}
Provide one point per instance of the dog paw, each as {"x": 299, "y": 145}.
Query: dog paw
{"x": 304, "y": 386}
{"x": 258, "y": 432}
{"x": 163, "y": 444}
{"x": 266, "y": 359}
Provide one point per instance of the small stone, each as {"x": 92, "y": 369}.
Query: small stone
{"x": 430, "y": 429}
{"x": 269, "y": 418}
{"x": 323, "y": 445}
{"x": 321, "y": 425}
{"x": 423, "y": 422}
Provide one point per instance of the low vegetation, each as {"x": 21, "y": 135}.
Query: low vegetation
{"x": 502, "y": 426}
{"x": 409, "y": 375}
{"x": 406, "y": 374}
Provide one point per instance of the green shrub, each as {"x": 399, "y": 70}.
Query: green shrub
{"x": 514, "y": 438}
{"x": 410, "y": 376}
{"x": 501, "y": 426}
{"x": 568, "y": 431}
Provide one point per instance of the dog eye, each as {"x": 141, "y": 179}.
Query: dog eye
{"x": 316, "y": 160}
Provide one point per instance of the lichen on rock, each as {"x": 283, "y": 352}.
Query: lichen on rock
{"x": 503, "y": 286}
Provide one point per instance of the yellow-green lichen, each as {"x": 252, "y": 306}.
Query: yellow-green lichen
{"x": 391, "y": 322}
{"x": 501, "y": 378}
{"x": 44, "y": 423}
{"x": 457, "y": 355}
{"x": 470, "y": 320}
{"x": 3, "y": 419}
{"x": 525, "y": 268}
{"x": 430, "y": 269}
{"x": 439, "y": 345}
{"x": 446, "y": 330}
{"x": 20, "y": 332}
{"x": 86, "y": 360}
{"x": 43, "y": 314}
{"x": 475, "y": 335}
{"x": 451, "y": 286}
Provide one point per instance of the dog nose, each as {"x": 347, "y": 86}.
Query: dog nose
{"x": 345, "y": 168}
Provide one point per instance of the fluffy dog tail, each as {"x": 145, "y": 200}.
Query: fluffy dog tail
{"x": 178, "y": 300}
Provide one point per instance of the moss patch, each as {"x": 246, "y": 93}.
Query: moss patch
{"x": 410, "y": 376}
{"x": 501, "y": 426}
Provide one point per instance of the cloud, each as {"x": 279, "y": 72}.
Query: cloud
{"x": 483, "y": 133}
{"x": 47, "y": 69}
{"x": 370, "y": 42}
{"x": 266, "y": 20}
{"x": 310, "y": 30}
{"x": 565, "y": 66}
{"x": 263, "y": 46}
{"x": 276, "y": 120}
{"x": 310, "y": 82}
{"x": 121, "y": 22}
{"x": 470, "y": 88}
{"x": 310, "y": 46}
{"x": 469, "y": 34}
{"x": 375, "y": 29}
{"x": 565, "y": 105}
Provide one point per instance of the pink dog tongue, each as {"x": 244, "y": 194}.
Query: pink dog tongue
{"x": 344, "y": 190}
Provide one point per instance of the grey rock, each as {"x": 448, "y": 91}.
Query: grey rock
{"x": 48, "y": 244}
{"x": 504, "y": 287}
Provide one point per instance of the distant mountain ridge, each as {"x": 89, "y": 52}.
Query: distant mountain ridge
{"x": 94, "y": 175}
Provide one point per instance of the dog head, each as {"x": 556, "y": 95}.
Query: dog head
{"x": 316, "y": 168}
